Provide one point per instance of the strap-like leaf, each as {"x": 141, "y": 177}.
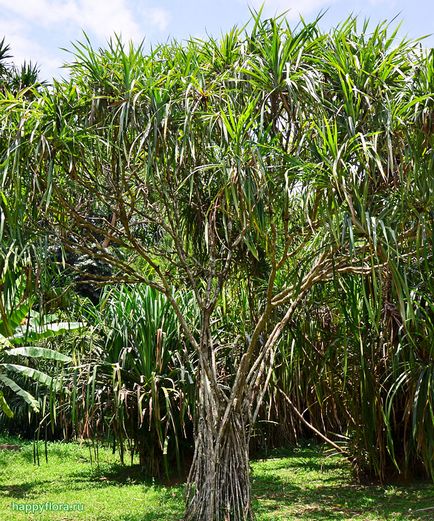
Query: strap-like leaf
{"x": 34, "y": 334}
{"x": 27, "y": 397}
{"x": 34, "y": 374}
{"x": 39, "y": 352}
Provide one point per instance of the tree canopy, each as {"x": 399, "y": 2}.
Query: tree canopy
{"x": 269, "y": 162}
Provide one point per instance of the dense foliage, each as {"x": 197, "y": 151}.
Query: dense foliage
{"x": 284, "y": 180}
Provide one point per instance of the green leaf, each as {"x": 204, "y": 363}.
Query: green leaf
{"x": 36, "y": 333}
{"x": 39, "y": 352}
{"x": 5, "y": 407}
{"x": 15, "y": 318}
{"x": 31, "y": 373}
{"x": 27, "y": 397}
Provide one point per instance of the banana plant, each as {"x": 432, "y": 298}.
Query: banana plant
{"x": 24, "y": 326}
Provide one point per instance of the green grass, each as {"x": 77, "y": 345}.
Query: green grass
{"x": 302, "y": 484}
{"x": 297, "y": 484}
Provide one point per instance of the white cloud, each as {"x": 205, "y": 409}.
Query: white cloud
{"x": 104, "y": 18}
{"x": 155, "y": 17}
{"x": 15, "y": 39}
{"x": 101, "y": 17}
{"x": 25, "y": 49}
{"x": 28, "y": 25}
{"x": 41, "y": 12}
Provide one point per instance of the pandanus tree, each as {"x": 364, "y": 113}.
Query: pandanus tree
{"x": 357, "y": 360}
{"x": 273, "y": 160}
{"x": 16, "y": 78}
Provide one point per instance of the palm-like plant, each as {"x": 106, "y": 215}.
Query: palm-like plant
{"x": 275, "y": 161}
{"x": 17, "y": 78}
{"x": 24, "y": 77}
{"x": 4, "y": 56}
{"x": 137, "y": 383}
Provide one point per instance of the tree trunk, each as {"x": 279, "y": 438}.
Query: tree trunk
{"x": 219, "y": 485}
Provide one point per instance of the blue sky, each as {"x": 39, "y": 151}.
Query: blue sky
{"x": 38, "y": 29}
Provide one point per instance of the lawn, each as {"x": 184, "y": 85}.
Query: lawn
{"x": 296, "y": 484}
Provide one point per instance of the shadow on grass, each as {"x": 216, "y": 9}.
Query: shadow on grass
{"x": 18, "y": 491}
{"x": 300, "y": 485}
{"x": 93, "y": 479}
{"x": 277, "y": 498}
{"x": 115, "y": 473}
